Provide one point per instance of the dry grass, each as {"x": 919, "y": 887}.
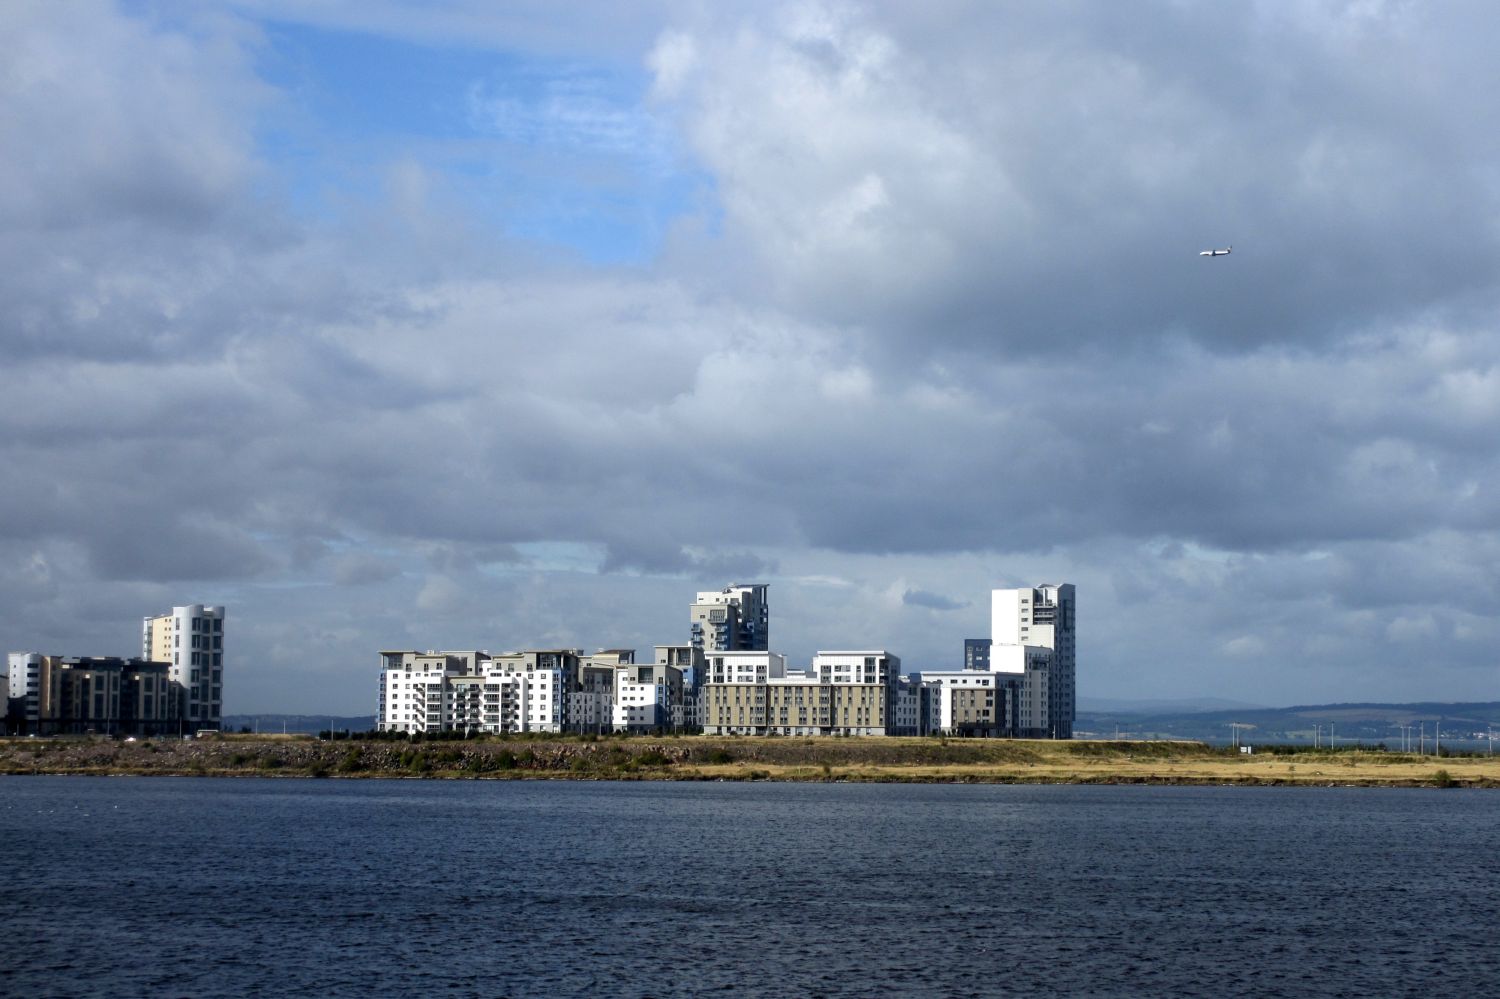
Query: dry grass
{"x": 786, "y": 759}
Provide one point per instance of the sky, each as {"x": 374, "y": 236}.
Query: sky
{"x": 458, "y": 324}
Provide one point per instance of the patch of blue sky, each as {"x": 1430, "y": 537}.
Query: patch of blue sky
{"x": 554, "y": 556}
{"x": 560, "y": 153}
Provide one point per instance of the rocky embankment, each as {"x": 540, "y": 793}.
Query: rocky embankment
{"x": 679, "y": 757}
{"x": 710, "y": 758}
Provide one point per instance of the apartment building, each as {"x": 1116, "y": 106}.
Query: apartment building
{"x": 841, "y": 693}
{"x": 647, "y": 698}
{"x": 734, "y": 619}
{"x": 91, "y": 695}
{"x": 416, "y": 692}
{"x": 538, "y": 690}
{"x": 960, "y": 702}
{"x": 690, "y": 662}
{"x": 191, "y": 639}
{"x": 24, "y": 689}
{"x": 1045, "y": 617}
{"x": 1025, "y": 688}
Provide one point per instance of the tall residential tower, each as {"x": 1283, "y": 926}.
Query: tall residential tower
{"x": 1041, "y": 617}
{"x": 734, "y": 619}
{"x": 191, "y": 639}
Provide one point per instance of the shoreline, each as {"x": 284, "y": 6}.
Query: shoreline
{"x": 710, "y": 758}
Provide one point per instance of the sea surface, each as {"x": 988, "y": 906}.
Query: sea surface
{"x": 209, "y": 887}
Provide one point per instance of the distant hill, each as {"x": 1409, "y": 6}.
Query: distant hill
{"x": 1460, "y": 723}
{"x": 1188, "y": 705}
{"x": 299, "y": 723}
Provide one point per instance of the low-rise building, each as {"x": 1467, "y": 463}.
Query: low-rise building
{"x": 648, "y": 698}
{"x": 415, "y": 693}
{"x": 962, "y": 702}
{"x": 91, "y": 695}
{"x": 538, "y": 690}
{"x": 841, "y": 693}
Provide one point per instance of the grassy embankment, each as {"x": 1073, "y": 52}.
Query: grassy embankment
{"x": 711, "y": 758}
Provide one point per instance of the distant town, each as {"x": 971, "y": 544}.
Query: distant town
{"x": 723, "y": 680}
{"x": 175, "y": 686}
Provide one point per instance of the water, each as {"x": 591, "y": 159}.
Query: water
{"x": 264, "y": 887}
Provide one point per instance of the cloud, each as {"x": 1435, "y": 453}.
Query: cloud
{"x": 661, "y": 556}
{"x": 934, "y": 312}
{"x": 1036, "y": 180}
{"x": 935, "y": 601}
{"x": 358, "y": 570}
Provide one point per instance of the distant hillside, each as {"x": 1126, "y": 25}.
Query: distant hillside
{"x": 1350, "y": 723}
{"x": 299, "y": 723}
{"x": 1157, "y": 706}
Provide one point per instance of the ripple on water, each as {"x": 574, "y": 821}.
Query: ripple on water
{"x": 267, "y": 888}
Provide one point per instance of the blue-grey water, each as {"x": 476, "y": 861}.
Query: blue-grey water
{"x": 269, "y": 887}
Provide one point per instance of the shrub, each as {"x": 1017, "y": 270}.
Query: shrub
{"x": 719, "y": 756}
{"x": 652, "y": 758}
{"x": 1443, "y": 779}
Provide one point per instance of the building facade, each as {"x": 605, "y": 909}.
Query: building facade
{"x": 191, "y": 640}
{"x": 841, "y": 693}
{"x": 647, "y": 698}
{"x": 963, "y": 702}
{"x": 1043, "y": 617}
{"x": 91, "y": 695}
{"x": 1025, "y": 688}
{"x": 540, "y": 690}
{"x": 537, "y": 690}
{"x": 734, "y": 619}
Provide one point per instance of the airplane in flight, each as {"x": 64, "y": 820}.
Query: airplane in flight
{"x": 1215, "y": 253}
